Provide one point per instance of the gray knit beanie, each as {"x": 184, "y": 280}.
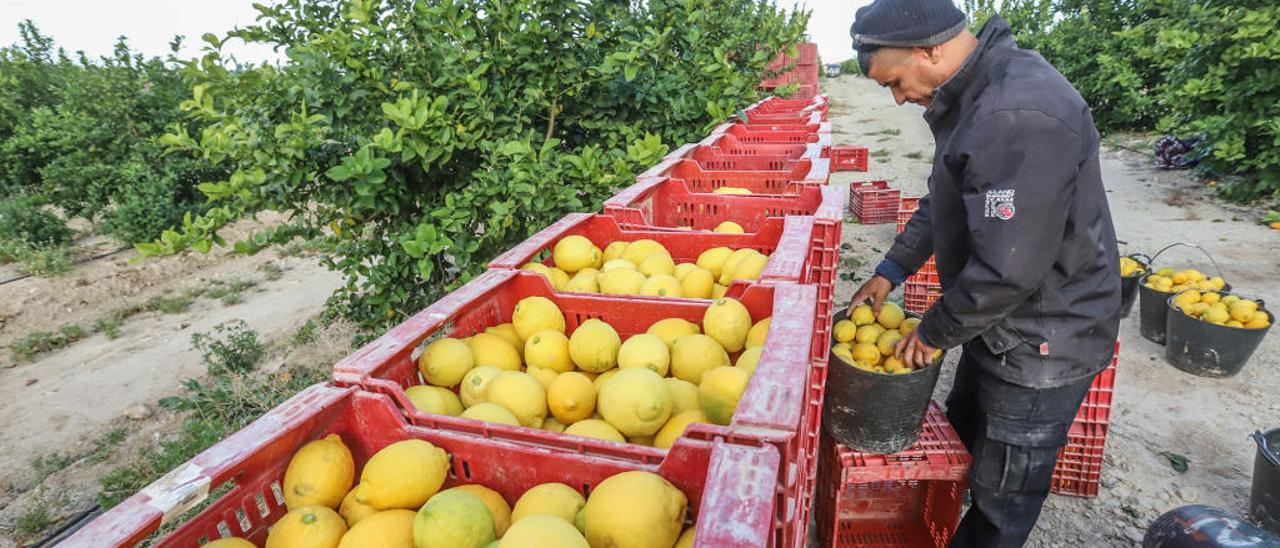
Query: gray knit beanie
{"x": 904, "y": 24}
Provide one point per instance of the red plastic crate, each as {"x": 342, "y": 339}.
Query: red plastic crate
{"x": 749, "y": 136}
{"x": 919, "y": 295}
{"x": 873, "y": 202}
{"x": 782, "y": 119}
{"x": 665, "y": 203}
{"x": 906, "y": 208}
{"x": 773, "y": 410}
{"x": 908, "y": 499}
{"x": 808, "y": 171}
{"x": 779, "y": 104}
{"x": 849, "y": 158}
{"x": 724, "y": 144}
{"x": 731, "y": 482}
{"x": 1078, "y": 471}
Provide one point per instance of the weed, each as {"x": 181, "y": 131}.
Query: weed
{"x": 171, "y": 304}
{"x": 888, "y": 131}
{"x": 231, "y": 348}
{"x": 272, "y": 271}
{"x": 879, "y": 153}
{"x": 46, "y": 261}
{"x": 305, "y": 334}
{"x": 39, "y": 342}
{"x": 291, "y": 249}
{"x": 109, "y": 324}
{"x": 229, "y": 292}
{"x": 103, "y": 445}
{"x": 48, "y": 465}
{"x": 914, "y": 155}
{"x": 33, "y": 521}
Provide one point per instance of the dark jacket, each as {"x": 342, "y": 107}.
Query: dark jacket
{"x": 1017, "y": 217}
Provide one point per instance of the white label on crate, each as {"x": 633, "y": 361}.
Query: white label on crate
{"x": 178, "y": 491}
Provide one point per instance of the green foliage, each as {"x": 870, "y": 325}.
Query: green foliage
{"x": 36, "y": 343}
{"x": 231, "y": 348}
{"x": 850, "y": 66}
{"x": 24, "y": 221}
{"x": 414, "y": 141}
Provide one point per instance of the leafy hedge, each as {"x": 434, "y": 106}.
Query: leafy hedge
{"x": 420, "y": 139}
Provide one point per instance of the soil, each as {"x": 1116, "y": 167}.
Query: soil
{"x": 1156, "y": 408}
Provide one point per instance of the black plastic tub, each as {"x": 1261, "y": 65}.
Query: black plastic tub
{"x": 1209, "y": 350}
{"x": 1264, "y": 497}
{"x": 1129, "y": 284}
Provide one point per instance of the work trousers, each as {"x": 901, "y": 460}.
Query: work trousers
{"x": 1014, "y": 434}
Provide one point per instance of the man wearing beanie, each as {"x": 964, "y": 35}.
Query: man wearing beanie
{"x": 1017, "y": 218}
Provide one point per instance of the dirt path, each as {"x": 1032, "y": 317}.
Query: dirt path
{"x": 1156, "y": 408}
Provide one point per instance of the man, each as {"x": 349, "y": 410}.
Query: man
{"x": 1017, "y": 218}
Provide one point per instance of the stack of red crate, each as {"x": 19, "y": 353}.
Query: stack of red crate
{"x": 923, "y": 288}
{"x": 873, "y": 202}
{"x": 1079, "y": 468}
{"x": 802, "y": 69}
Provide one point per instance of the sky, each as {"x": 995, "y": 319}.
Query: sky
{"x": 94, "y": 25}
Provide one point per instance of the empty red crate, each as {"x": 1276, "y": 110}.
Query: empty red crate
{"x": 873, "y": 202}
{"x": 730, "y": 482}
{"x": 908, "y": 499}
{"x": 782, "y": 119}
{"x": 1079, "y": 468}
{"x": 849, "y": 158}
{"x": 772, "y": 411}
{"x": 808, "y": 171}
{"x": 906, "y": 209}
{"x": 665, "y": 203}
{"x": 724, "y": 144}
{"x": 778, "y": 104}
{"x": 775, "y": 137}
{"x": 919, "y": 295}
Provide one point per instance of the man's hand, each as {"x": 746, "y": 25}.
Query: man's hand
{"x": 913, "y": 352}
{"x": 874, "y": 290}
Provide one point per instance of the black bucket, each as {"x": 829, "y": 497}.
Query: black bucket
{"x": 1152, "y": 311}
{"x": 1129, "y": 284}
{"x": 1264, "y": 498}
{"x": 876, "y": 412}
{"x": 1199, "y": 526}
{"x": 1209, "y": 350}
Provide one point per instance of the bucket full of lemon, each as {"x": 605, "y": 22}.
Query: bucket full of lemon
{"x": 874, "y": 402}
{"x": 1132, "y": 268}
{"x": 1212, "y": 334}
{"x": 1157, "y": 287}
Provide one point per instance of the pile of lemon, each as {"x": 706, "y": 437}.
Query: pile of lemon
{"x": 732, "y": 190}
{"x": 1130, "y": 267}
{"x": 1167, "y": 280}
{"x": 867, "y": 340}
{"x": 398, "y": 503}
{"x": 645, "y": 267}
{"x": 1217, "y": 309}
{"x": 591, "y": 383}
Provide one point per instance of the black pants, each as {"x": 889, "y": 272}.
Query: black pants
{"x": 1014, "y": 434}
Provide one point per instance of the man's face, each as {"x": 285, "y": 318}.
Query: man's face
{"x": 910, "y": 73}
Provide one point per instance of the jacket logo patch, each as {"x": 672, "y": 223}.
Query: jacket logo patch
{"x": 1000, "y": 205}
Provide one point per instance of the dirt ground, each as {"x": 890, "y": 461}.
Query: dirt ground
{"x": 1156, "y": 408}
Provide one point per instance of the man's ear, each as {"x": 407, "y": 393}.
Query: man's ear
{"x": 931, "y": 54}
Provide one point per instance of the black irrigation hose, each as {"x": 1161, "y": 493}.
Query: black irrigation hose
{"x": 71, "y": 526}
{"x": 81, "y": 261}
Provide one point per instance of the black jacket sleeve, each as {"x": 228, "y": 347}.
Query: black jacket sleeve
{"x": 914, "y": 245}
{"x": 1018, "y": 181}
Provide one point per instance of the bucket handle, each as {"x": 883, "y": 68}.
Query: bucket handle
{"x": 1137, "y": 255}
{"x": 1264, "y": 449}
{"x": 1185, "y": 244}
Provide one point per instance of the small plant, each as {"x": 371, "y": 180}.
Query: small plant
{"x": 879, "y": 153}
{"x": 175, "y": 304}
{"x": 34, "y": 520}
{"x": 39, "y": 342}
{"x": 229, "y": 292}
{"x": 47, "y": 465}
{"x": 46, "y": 261}
{"x": 272, "y": 271}
{"x": 24, "y": 220}
{"x": 231, "y": 348}
{"x": 887, "y": 131}
{"x": 305, "y": 334}
{"x": 917, "y": 155}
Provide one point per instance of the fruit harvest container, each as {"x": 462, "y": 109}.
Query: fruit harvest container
{"x": 815, "y": 124}
{"x": 873, "y": 202}
{"x": 906, "y": 208}
{"x": 918, "y": 295}
{"x": 733, "y": 483}
{"x": 724, "y": 144}
{"x": 807, "y": 171}
{"x": 785, "y": 136}
{"x": 714, "y": 158}
{"x": 770, "y": 412}
{"x": 668, "y": 204}
{"x": 778, "y": 104}
{"x": 783, "y": 119}
{"x": 908, "y": 499}
{"x": 849, "y": 158}
{"x": 1079, "y": 468}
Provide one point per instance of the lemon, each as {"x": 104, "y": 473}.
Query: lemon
{"x": 521, "y": 394}
{"x": 544, "y": 376}
{"x": 534, "y": 314}
{"x": 693, "y": 355}
{"x": 686, "y": 538}
{"x": 618, "y": 264}
{"x": 385, "y": 529}
{"x": 594, "y": 346}
{"x": 671, "y": 329}
{"x": 1210, "y": 297}
{"x": 603, "y": 378}
{"x": 844, "y": 351}
{"x": 866, "y": 352}
{"x": 307, "y": 527}
{"x": 595, "y": 428}
{"x": 844, "y": 331}
{"x": 675, "y": 427}
{"x": 683, "y": 394}
{"x": 490, "y": 412}
{"x": 231, "y": 542}
{"x": 908, "y": 325}
{"x": 583, "y": 282}
{"x": 731, "y": 264}
{"x": 1243, "y": 310}
{"x": 720, "y": 391}
{"x": 634, "y": 510}
{"x": 613, "y": 251}
{"x": 548, "y": 349}
{"x": 891, "y": 315}
{"x": 550, "y": 424}
{"x": 553, "y": 499}
{"x": 403, "y": 475}
{"x": 886, "y": 341}
{"x": 474, "y": 384}
{"x": 541, "y": 269}
{"x": 718, "y": 291}
{"x": 434, "y": 399}
{"x": 320, "y": 473}
{"x": 571, "y": 398}
{"x": 640, "y": 250}
{"x": 1217, "y": 283}
{"x": 697, "y": 284}
{"x": 731, "y": 190}
{"x": 490, "y": 349}
{"x": 644, "y": 350}
{"x": 508, "y": 333}
{"x": 499, "y": 510}
{"x": 445, "y": 361}
{"x": 453, "y": 519}
{"x": 620, "y": 281}
{"x": 893, "y": 364}
{"x": 1229, "y": 299}
{"x": 749, "y": 359}
{"x": 868, "y": 333}
{"x": 713, "y": 259}
{"x": 641, "y": 440}
{"x": 658, "y": 263}
{"x": 559, "y": 279}
{"x": 353, "y": 510}
{"x": 662, "y": 285}
{"x": 1233, "y": 323}
{"x": 635, "y": 402}
{"x": 683, "y": 269}
{"x": 1258, "y": 321}
{"x": 727, "y": 321}
{"x": 750, "y": 267}
{"x": 729, "y": 227}
{"x": 862, "y": 315}
{"x": 543, "y": 531}
{"x": 574, "y": 253}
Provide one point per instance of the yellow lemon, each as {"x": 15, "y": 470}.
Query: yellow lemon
{"x": 885, "y": 343}
{"x": 471, "y": 390}
{"x": 675, "y": 427}
{"x": 868, "y": 333}
{"x": 671, "y": 329}
{"x": 866, "y": 352}
{"x": 686, "y": 538}
{"x": 544, "y": 376}
{"x": 508, "y": 333}
{"x": 750, "y": 268}
{"x": 490, "y": 349}
{"x": 729, "y": 227}
{"x": 583, "y": 282}
{"x": 307, "y": 527}
{"x": 697, "y": 284}
{"x": 403, "y": 475}
{"x": 658, "y": 263}
{"x": 683, "y": 269}
{"x": 574, "y": 253}
{"x": 727, "y": 321}
{"x": 718, "y": 291}
{"x": 231, "y": 542}
{"x": 445, "y": 361}
{"x": 353, "y": 510}
{"x": 534, "y": 314}
{"x": 603, "y": 378}
{"x": 1216, "y": 316}
{"x": 662, "y": 285}
{"x": 548, "y": 349}
{"x": 553, "y": 499}
{"x": 644, "y": 350}
{"x": 693, "y": 355}
{"x": 319, "y": 474}
{"x": 844, "y": 351}
{"x": 618, "y": 264}
{"x": 758, "y": 333}
{"x": 1243, "y": 310}
{"x": 1258, "y": 321}
{"x": 386, "y": 529}
{"x": 595, "y": 428}
{"x": 541, "y": 269}
{"x": 891, "y": 315}
{"x": 571, "y": 397}
{"x": 1210, "y": 297}
{"x": 731, "y": 264}
{"x": 731, "y": 190}
{"x": 620, "y": 281}
{"x": 498, "y": 507}
{"x": 1217, "y": 283}
{"x": 908, "y": 325}
{"x": 844, "y": 331}
{"x": 892, "y": 364}
{"x": 634, "y": 510}
{"x": 521, "y": 394}
{"x": 1233, "y": 323}
{"x": 720, "y": 391}
{"x": 434, "y": 399}
{"x": 749, "y": 359}
{"x": 543, "y": 531}
{"x": 640, "y": 250}
{"x": 713, "y": 259}
{"x": 635, "y": 402}
{"x": 490, "y": 412}
{"x": 453, "y": 519}
{"x": 550, "y": 424}
{"x": 683, "y": 394}
{"x": 613, "y": 251}
{"x": 594, "y": 346}
{"x": 862, "y": 315}
{"x": 559, "y": 279}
